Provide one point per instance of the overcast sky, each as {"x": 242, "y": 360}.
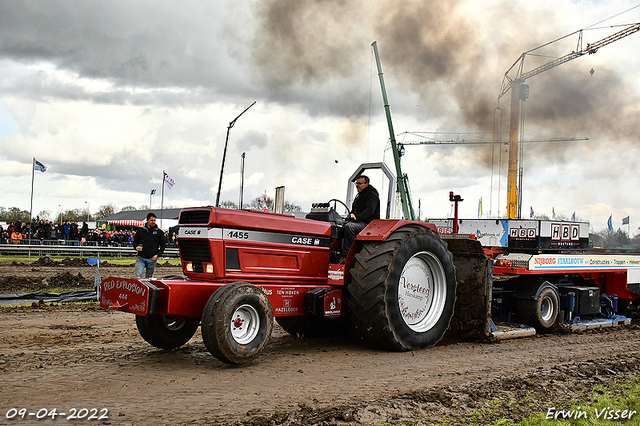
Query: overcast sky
{"x": 109, "y": 94}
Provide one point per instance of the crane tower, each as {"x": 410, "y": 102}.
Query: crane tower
{"x": 520, "y": 92}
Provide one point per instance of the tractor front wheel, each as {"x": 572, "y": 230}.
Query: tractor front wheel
{"x": 166, "y": 331}
{"x": 403, "y": 290}
{"x": 237, "y": 323}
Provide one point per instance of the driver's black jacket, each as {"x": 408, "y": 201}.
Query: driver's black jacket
{"x": 366, "y": 205}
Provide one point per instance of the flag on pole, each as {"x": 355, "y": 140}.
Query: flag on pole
{"x": 264, "y": 203}
{"x": 480, "y": 208}
{"x": 573, "y": 217}
{"x": 531, "y": 212}
{"x": 39, "y": 166}
{"x": 553, "y": 212}
{"x": 625, "y": 220}
{"x": 610, "y": 224}
{"x": 97, "y": 281}
{"x": 168, "y": 180}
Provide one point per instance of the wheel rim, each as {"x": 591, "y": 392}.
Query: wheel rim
{"x": 547, "y": 310}
{"x": 245, "y": 324}
{"x": 173, "y": 322}
{"x": 422, "y": 291}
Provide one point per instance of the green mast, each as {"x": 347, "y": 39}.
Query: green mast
{"x": 405, "y": 197}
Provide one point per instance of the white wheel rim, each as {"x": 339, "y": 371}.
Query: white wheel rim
{"x": 422, "y": 292}
{"x": 547, "y": 309}
{"x": 245, "y": 324}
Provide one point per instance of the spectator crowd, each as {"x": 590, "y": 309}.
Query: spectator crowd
{"x": 69, "y": 232}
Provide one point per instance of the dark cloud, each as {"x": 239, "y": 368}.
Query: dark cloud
{"x": 141, "y": 45}
{"x": 437, "y": 63}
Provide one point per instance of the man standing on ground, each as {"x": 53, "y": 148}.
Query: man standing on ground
{"x": 149, "y": 242}
{"x": 365, "y": 208}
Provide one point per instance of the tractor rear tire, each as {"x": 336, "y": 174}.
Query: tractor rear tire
{"x": 166, "y": 331}
{"x": 237, "y": 322}
{"x": 541, "y": 313}
{"x": 403, "y": 290}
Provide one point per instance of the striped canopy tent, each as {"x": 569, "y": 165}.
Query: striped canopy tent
{"x": 131, "y": 218}
{"x": 126, "y": 222}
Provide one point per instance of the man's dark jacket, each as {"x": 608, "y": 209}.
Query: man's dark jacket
{"x": 152, "y": 241}
{"x": 366, "y": 206}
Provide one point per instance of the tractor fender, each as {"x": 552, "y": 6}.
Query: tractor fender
{"x": 381, "y": 229}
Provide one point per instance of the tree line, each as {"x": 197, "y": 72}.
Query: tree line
{"x": 11, "y": 214}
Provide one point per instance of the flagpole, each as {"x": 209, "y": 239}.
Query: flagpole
{"x": 162, "y": 198}
{"x": 33, "y": 169}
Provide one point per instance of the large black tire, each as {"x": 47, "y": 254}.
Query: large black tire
{"x": 237, "y": 323}
{"x": 403, "y": 290}
{"x": 541, "y": 313}
{"x": 166, "y": 331}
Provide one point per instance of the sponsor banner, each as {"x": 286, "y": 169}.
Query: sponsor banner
{"x": 582, "y": 262}
{"x": 490, "y": 232}
{"x": 548, "y": 235}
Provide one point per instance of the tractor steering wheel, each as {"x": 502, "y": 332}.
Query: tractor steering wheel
{"x": 345, "y": 206}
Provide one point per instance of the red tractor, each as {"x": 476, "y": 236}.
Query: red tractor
{"x": 397, "y": 284}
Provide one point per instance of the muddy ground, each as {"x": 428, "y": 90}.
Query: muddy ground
{"x": 72, "y": 273}
{"x": 80, "y": 356}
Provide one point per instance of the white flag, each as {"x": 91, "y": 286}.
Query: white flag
{"x": 168, "y": 181}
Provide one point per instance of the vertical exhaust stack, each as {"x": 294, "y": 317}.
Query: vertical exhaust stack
{"x": 279, "y": 201}
{"x": 455, "y": 199}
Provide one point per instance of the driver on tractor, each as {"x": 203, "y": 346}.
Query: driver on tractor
{"x": 365, "y": 208}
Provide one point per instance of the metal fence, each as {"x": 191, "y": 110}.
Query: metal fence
{"x": 74, "y": 250}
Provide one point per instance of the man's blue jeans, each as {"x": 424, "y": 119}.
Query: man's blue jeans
{"x": 141, "y": 264}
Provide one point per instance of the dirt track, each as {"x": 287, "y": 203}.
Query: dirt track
{"x": 83, "y": 357}
{"x": 45, "y": 274}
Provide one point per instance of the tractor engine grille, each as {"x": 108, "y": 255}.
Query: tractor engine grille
{"x": 195, "y": 252}
{"x": 190, "y": 217}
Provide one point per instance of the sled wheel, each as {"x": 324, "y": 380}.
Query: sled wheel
{"x": 166, "y": 331}
{"x": 237, "y": 323}
{"x": 403, "y": 290}
{"x": 541, "y": 313}
{"x": 311, "y": 326}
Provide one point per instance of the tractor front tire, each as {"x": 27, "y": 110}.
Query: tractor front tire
{"x": 166, "y": 331}
{"x": 403, "y": 290}
{"x": 237, "y": 322}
